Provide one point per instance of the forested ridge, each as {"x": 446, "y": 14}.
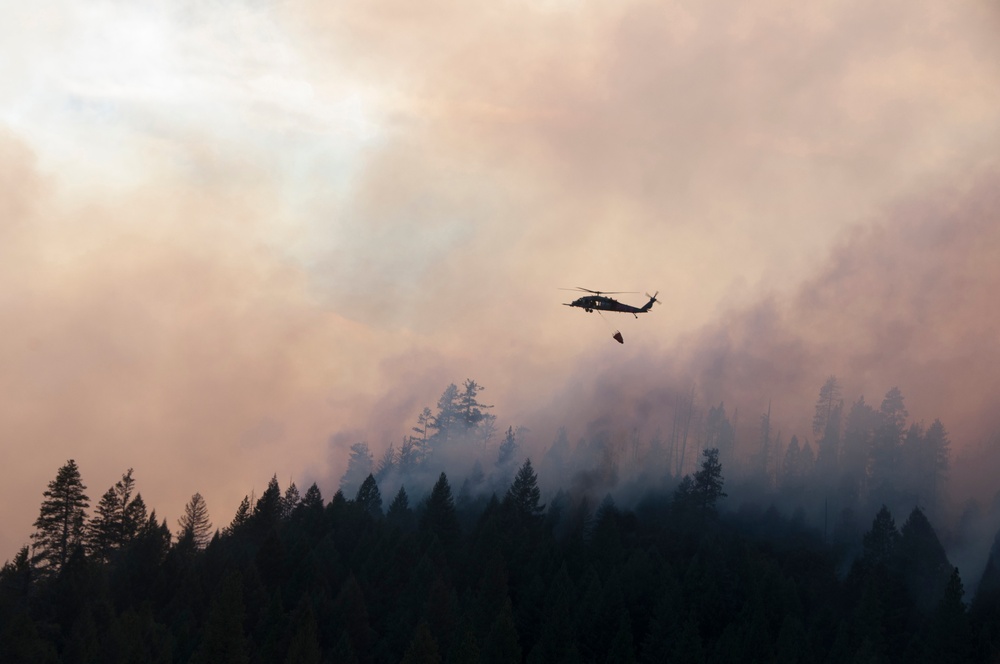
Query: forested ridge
{"x": 607, "y": 565}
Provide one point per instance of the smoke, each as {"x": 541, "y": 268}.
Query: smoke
{"x": 903, "y": 300}
{"x": 232, "y": 233}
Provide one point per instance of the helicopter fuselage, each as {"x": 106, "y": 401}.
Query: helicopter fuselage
{"x": 591, "y": 303}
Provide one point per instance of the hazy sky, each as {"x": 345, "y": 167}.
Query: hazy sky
{"x": 230, "y": 231}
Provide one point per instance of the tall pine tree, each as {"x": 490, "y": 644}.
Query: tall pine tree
{"x": 60, "y": 524}
{"x": 195, "y": 523}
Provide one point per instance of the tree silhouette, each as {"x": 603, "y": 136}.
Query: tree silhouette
{"x": 445, "y": 420}
{"x": 524, "y": 496}
{"x": 471, "y": 411}
{"x": 290, "y": 501}
{"x": 59, "y": 527}
{"x": 360, "y": 465}
{"x": 194, "y": 523}
{"x": 439, "y": 517}
{"x": 399, "y": 512}
{"x": 827, "y": 406}
{"x": 119, "y": 517}
{"x": 708, "y": 480}
{"x": 881, "y": 541}
{"x": 369, "y": 498}
{"x": 102, "y": 530}
{"x": 268, "y": 510}
{"x": 241, "y": 518}
{"x": 507, "y": 450}
{"x": 386, "y": 464}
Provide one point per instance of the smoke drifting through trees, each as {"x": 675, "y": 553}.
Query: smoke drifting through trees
{"x": 852, "y": 459}
{"x": 503, "y": 580}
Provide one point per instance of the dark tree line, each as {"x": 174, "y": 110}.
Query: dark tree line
{"x": 398, "y": 567}
{"x": 294, "y": 578}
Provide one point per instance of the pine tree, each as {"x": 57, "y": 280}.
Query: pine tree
{"x": 425, "y": 420}
{"x": 195, "y": 523}
{"x": 268, "y": 510}
{"x": 102, "y": 530}
{"x": 399, "y": 512}
{"x": 241, "y": 518}
{"x": 471, "y": 411}
{"x": 886, "y": 467}
{"x": 445, "y": 421}
{"x": 508, "y": 448}
{"x": 826, "y": 406}
{"x": 313, "y": 497}
{"x": 289, "y": 501}
{"x": 950, "y": 630}
{"x": 117, "y": 520}
{"x": 922, "y": 561}
{"x": 524, "y": 495}
{"x": 60, "y": 524}
{"x": 386, "y": 464}
{"x": 439, "y": 517}
{"x": 881, "y": 541}
{"x": 410, "y": 456}
{"x": 369, "y": 498}
{"x": 133, "y": 510}
{"x": 792, "y": 463}
{"x": 708, "y": 481}
{"x": 359, "y": 466}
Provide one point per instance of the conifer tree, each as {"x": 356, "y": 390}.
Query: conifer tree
{"x": 792, "y": 462}
{"x": 507, "y": 450}
{"x": 386, "y": 464}
{"x": 425, "y": 420}
{"x": 826, "y": 406}
{"x": 446, "y": 419}
{"x": 359, "y": 466}
{"x": 60, "y": 524}
{"x": 313, "y": 497}
{"x": 950, "y": 630}
{"x": 241, "y": 518}
{"x": 268, "y": 510}
{"x": 922, "y": 561}
{"x": 439, "y": 517}
{"x": 369, "y": 498}
{"x": 708, "y": 480}
{"x": 133, "y": 510}
{"x": 471, "y": 412}
{"x": 102, "y": 530}
{"x": 399, "y": 512}
{"x": 289, "y": 501}
{"x": 524, "y": 495}
{"x": 194, "y": 522}
{"x": 881, "y": 541}
{"x": 118, "y": 519}
{"x": 410, "y": 456}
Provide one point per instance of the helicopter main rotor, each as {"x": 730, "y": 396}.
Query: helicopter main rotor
{"x": 599, "y": 293}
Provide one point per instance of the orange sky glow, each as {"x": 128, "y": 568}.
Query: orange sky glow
{"x": 237, "y": 237}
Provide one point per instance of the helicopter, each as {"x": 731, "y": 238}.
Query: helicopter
{"x": 599, "y": 302}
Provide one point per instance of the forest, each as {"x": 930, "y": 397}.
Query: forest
{"x": 683, "y": 547}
